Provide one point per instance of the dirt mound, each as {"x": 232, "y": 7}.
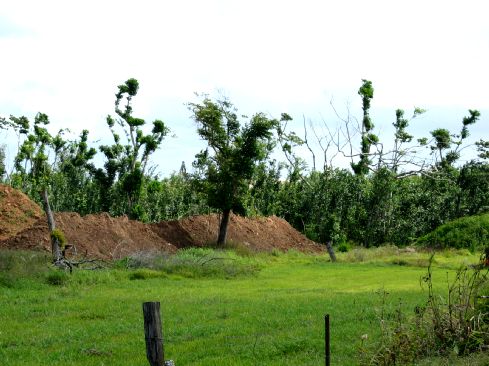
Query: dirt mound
{"x": 17, "y": 212}
{"x": 23, "y": 226}
{"x": 261, "y": 234}
{"x": 97, "y": 235}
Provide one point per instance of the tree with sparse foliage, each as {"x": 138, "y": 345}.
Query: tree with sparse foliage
{"x": 128, "y": 161}
{"x": 227, "y": 165}
{"x": 33, "y": 165}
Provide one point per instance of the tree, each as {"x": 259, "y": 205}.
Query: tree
{"x": 443, "y": 140}
{"x": 128, "y": 161}
{"x": 366, "y": 91}
{"x": 228, "y": 163}
{"x": 32, "y": 162}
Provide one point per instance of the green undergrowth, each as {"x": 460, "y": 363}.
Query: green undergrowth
{"x": 192, "y": 263}
{"x": 219, "y": 307}
{"x": 471, "y": 232}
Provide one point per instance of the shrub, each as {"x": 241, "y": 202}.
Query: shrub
{"x": 343, "y": 247}
{"x": 470, "y": 232}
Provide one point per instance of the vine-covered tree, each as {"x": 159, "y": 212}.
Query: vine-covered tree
{"x": 233, "y": 151}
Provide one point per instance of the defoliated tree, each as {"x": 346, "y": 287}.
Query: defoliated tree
{"x": 228, "y": 163}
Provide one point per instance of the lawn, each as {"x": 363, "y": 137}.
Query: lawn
{"x": 269, "y": 313}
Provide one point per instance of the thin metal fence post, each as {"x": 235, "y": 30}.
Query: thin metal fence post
{"x": 327, "y": 337}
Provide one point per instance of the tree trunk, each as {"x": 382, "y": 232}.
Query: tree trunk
{"x": 223, "y": 227}
{"x": 55, "y": 247}
{"x": 330, "y": 249}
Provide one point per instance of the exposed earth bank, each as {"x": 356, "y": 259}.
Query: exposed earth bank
{"x": 23, "y": 226}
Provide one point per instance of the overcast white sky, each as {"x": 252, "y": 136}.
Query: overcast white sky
{"x": 66, "y": 58}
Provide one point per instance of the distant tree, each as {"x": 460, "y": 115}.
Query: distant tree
{"x": 444, "y": 140}
{"x": 366, "y": 91}
{"x": 128, "y": 161}
{"x": 33, "y": 165}
{"x": 228, "y": 163}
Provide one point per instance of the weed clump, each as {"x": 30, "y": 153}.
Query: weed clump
{"x": 194, "y": 263}
{"x": 455, "y": 325}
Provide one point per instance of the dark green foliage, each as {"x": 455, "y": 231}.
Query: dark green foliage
{"x": 474, "y": 184}
{"x": 470, "y": 232}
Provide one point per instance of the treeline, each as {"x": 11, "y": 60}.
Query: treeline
{"x": 390, "y": 195}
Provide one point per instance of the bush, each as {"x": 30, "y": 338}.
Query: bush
{"x": 470, "y": 232}
{"x": 343, "y": 247}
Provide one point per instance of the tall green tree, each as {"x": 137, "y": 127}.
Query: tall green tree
{"x": 228, "y": 163}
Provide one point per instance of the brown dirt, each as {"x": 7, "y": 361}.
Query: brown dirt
{"x": 23, "y": 226}
{"x": 17, "y": 212}
{"x": 98, "y": 236}
{"x": 261, "y": 234}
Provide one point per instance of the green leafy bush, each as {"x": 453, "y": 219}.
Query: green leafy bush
{"x": 470, "y": 232}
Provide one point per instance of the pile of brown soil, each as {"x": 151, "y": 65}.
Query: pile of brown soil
{"x": 23, "y": 226}
{"x": 17, "y": 212}
{"x": 260, "y": 234}
{"x": 99, "y": 236}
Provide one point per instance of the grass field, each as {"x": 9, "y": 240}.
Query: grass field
{"x": 231, "y": 310}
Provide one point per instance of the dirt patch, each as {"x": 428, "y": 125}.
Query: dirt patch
{"x": 17, "y": 212}
{"x": 23, "y": 226}
{"x": 261, "y": 234}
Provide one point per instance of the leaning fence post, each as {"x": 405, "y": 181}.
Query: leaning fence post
{"x": 153, "y": 334}
{"x": 327, "y": 336}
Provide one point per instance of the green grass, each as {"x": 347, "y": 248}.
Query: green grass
{"x": 268, "y": 312}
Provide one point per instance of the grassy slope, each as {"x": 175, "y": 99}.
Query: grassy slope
{"x": 273, "y": 318}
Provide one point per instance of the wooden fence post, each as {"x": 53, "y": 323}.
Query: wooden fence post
{"x": 153, "y": 334}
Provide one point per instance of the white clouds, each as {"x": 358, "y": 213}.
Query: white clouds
{"x": 275, "y": 55}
